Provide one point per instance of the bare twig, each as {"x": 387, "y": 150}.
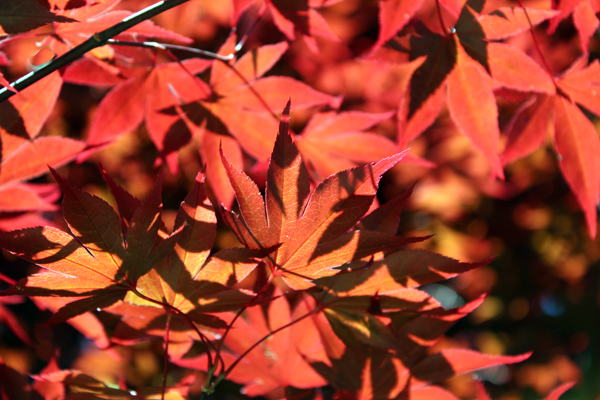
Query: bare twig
{"x": 166, "y": 47}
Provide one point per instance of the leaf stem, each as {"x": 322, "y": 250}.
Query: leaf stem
{"x": 207, "y": 343}
{"x": 94, "y": 41}
{"x": 536, "y": 44}
{"x": 166, "y": 360}
{"x": 260, "y": 293}
{"x": 232, "y": 366}
{"x": 439, "y": 12}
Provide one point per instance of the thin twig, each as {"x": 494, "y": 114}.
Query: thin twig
{"x": 439, "y": 9}
{"x": 94, "y": 41}
{"x": 166, "y": 47}
{"x": 245, "y": 307}
{"x": 232, "y": 366}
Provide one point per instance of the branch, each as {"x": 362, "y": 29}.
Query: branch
{"x": 96, "y": 40}
{"x": 166, "y": 47}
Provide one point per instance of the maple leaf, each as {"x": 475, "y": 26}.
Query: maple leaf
{"x": 93, "y": 259}
{"x": 294, "y": 18}
{"x": 278, "y": 362}
{"x": 510, "y": 21}
{"x": 25, "y": 15}
{"x": 361, "y": 297}
{"x": 575, "y": 137}
{"x": 314, "y": 229}
{"x": 407, "y": 374}
{"x": 19, "y": 197}
{"x": 333, "y": 142}
{"x": 188, "y": 280}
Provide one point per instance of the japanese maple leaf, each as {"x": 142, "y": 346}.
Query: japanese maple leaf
{"x": 278, "y": 361}
{"x": 575, "y": 137}
{"x": 298, "y": 17}
{"x": 333, "y": 142}
{"x": 313, "y": 228}
{"x": 93, "y": 259}
{"x": 372, "y": 372}
{"x": 362, "y": 298}
{"x": 464, "y": 68}
{"x": 187, "y": 281}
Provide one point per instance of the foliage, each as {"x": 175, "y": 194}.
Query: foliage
{"x": 312, "y": 286}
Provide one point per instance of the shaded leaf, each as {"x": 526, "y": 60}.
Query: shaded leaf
{"x": 25, "y": 15}
{"x": 304, "y": 223}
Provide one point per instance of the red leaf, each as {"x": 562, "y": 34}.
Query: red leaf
{"x": 13, "y": 385}
{"x": 6, "y": 83}
{"x": 581, "y": 84}
{"x": 452, "y": 362}
{"x": 509, "y": 21}
{"x": 148, "y": 94}
{"x": 578, "y": 145}
{"x": 557, "y": 392}
{"x": 10, "y": 320}
{"x": 23, "y": 115}
{"x": 393, "y": 16}
{"x": 473, "y": 108}
{"x": 32, "y": 158}
{"x": 50, "y": 390}
{"x": 335, "y": 206}
{"x": 528, "y": 129}
{"x": 26, "y": 197}
{"x": 215, "y": 172}
{"x": 516, "y": 70}
{"x": 331, "y": 143}
{"x": 586, "y": 22}
{"x": 87, "y": 323}
{"x": 565, "y": 8}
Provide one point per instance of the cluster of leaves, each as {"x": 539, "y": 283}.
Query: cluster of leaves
{"x": 366, "y": 330}
{"x": 352, "y": 317}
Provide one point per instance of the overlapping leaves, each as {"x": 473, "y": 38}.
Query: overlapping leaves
{"x": 313, "y": 227}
